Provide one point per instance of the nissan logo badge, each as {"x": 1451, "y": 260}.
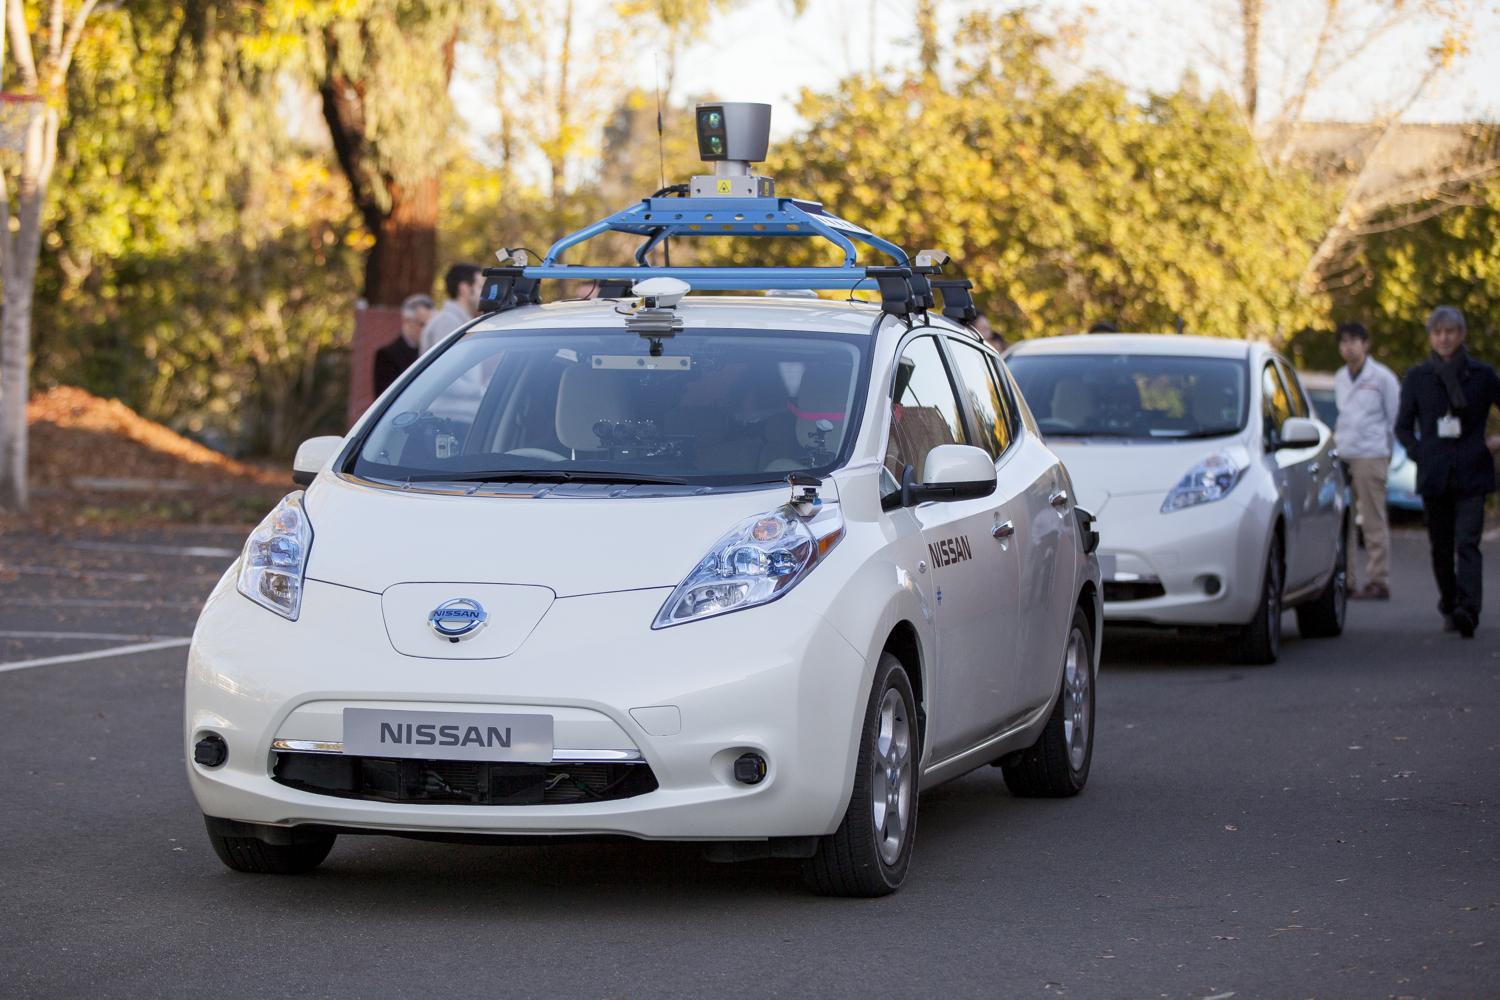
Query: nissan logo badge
{"x": 457, "y": 619}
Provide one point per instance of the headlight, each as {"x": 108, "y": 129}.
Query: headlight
{"x": 1209, "y": 480}
{"x": 275, "y": 558}
{"x": 755, "y": 562}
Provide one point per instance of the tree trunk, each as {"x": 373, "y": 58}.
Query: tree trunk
{"x": 400, "y": 214}
{"x": 403, "y": 260}
{"x": 19, "y": 269}
{"x": 1250, "y": 18}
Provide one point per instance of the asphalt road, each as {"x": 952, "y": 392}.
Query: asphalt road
{"x": 1326, "y": 827}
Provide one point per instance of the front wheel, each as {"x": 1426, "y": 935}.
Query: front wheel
{"x": 1057, "y": 764}
{"x": 247, "y": 847}
{"x": 1260, "y": 641}
{"x": 869, "y": 853}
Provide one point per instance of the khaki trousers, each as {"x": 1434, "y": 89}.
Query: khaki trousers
{"x": 1369, "y": 497}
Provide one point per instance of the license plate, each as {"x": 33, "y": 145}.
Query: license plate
{"x": 375, "y": 732}
{"x": 1108, "y": 565}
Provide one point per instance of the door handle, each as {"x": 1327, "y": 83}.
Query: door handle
{"x": 1003, "y": 530}
{"x": 1313, "y": 469}
{"x": 1059, "y": 499}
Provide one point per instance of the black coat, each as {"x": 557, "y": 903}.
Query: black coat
{"x": 391, "y": 360}
{"x": 1463, "y": 464}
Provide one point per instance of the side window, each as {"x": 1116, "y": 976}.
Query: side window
{"x": 983, "y": 397}
{"x": 1295, "y": 395}
{"x": 1275, "y": 405}
{"x": 1008, "y": 393}
{"x": 924, "y": 411}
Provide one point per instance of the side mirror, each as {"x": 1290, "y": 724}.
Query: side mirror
{"x": 1298, "y": 432}
{"x": 312, "y": 455}
{"x": 1088, "y": 528}
{"x": 954, "y": 472}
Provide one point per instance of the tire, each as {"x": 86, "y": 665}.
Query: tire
{"x": 1259, "y": 642}
{"x": 869, "y": 853}
{"x": 240, "y": 849}
{"x": 1323, "y": 618}
{"x": 1057, "y": 765}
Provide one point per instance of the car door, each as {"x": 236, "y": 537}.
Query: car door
{"x": 1290, "y": 468}
{"x": 1049, "y": 563}
{"x": 992, "y": 418}
{"x": 965, "y": 560}
{"x": 1323, "y": 516}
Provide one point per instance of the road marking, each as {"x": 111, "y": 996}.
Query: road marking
{"x": 77, "y": 574}
{"x": 147, "y": 548}
{"x": 98, "y": 654}
{"x": 96, "y": 602}
{"x": 110, "y": 636}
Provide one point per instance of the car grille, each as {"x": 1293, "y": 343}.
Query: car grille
{"x": 461, "y": 782}
{"x": 1133, "y": 590}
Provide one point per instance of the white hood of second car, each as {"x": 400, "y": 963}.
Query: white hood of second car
{"x": 1105, "y": 467}
{"x": 372, "y": 539}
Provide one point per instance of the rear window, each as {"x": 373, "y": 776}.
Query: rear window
{"x": 1132, "y": 395}
{"x": 715, "y": 406}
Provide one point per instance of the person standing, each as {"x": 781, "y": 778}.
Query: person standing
{"x": 1369, "y": 396}
{"x": 1445, "y": 402}
{"x": 397, "y": 356}
{"x": 463, "y": 283}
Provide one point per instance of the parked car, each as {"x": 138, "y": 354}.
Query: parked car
{"x": 1401, "y": 481}
{"x": 1218, "y": 497}
{"x": 753, "y": 580}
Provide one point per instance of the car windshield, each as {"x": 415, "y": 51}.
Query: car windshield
{"x": 713, "y": 406}
{"x": 1133, "y": 395}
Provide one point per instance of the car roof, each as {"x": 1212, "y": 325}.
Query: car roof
{"x": 733, "y": 312}
{"x": 1136, "y": 343}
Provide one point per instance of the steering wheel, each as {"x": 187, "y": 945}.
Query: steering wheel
{"x": 544, "y": 454}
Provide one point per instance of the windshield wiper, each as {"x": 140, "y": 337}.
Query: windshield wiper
{"x": 1212, "y": 432}
{"x": 548, "y": 476}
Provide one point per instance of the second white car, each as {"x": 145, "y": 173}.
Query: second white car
{"x": 1220, "y": 497}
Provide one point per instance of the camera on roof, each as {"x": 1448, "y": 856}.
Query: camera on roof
{"x": 736, "y": 131}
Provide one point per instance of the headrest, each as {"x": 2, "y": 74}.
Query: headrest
{"x": 1072, "y": 402}
{"x": 1215, "y": 400}
{"x": 586, "y": 396}
{"x": 823, "y": 395}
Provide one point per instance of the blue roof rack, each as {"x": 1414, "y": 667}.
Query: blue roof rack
{"x": 904, "y": 287}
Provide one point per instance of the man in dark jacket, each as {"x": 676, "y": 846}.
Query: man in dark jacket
{"x": 1445, "y": 402}
{"x": 397, "y": 356}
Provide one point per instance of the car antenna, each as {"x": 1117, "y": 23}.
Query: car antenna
{"x": 661, "y": 154}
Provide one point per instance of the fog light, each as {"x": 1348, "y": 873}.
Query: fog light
{"x": 211, "y": 751}
{"x": 1211, "y": 584}
{"x": 750, "y": 768}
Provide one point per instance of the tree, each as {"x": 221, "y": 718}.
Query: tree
{"x": 1066, "y": 204}
{"x": 1321, "y": 43}
{"x": 203, "y": 256}
{"x": 42, "y": 57}
{"x": 383, "y": 75}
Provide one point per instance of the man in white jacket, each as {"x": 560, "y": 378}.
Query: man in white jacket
{"x": 1369, "y": 394}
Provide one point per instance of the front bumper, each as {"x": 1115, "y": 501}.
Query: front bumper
{"x": 777, "y": 680}
{"x": 1198, "y": 566}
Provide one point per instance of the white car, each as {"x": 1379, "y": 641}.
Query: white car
{"x": 1218, "y": 492}
{"x": 754, "y": 575}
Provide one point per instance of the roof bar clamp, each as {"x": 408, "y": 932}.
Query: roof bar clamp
{"x": 506, "y": 288}
{"x": 958, "y": 302}
{"x": 897, "y": 297}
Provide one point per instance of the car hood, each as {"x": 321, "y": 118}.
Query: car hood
{"x": 373, "y": 538}
{"x": 1102, "y": 468}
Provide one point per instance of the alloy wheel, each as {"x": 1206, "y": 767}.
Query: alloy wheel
{"x": 891, "y": 790}
{"x": 1077, "y": 704}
